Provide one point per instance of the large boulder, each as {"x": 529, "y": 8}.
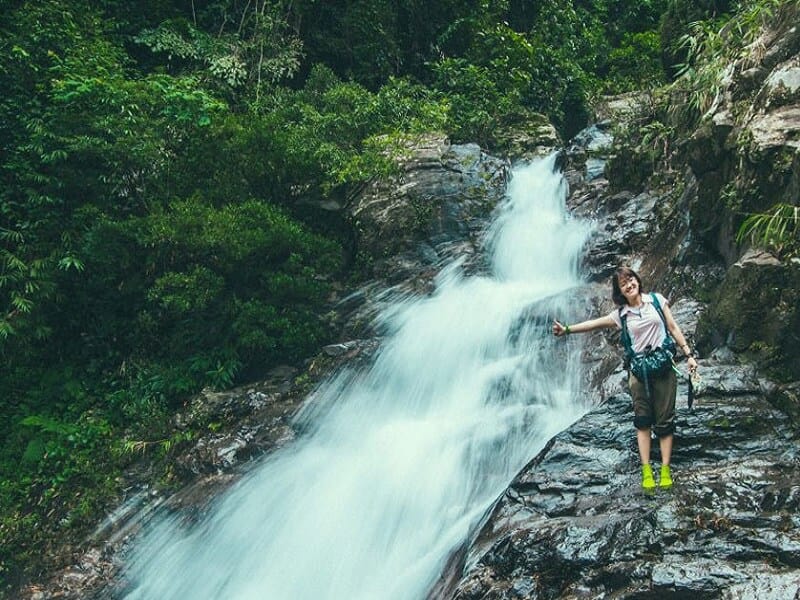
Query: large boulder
{"x": 756, "y": 312}
{"x": 438, "y": 193}
{"x": 409, "y": 224}
{"x": 528, "y": 137}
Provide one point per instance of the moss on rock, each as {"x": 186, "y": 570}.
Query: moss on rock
{"x": 757, "y": 312}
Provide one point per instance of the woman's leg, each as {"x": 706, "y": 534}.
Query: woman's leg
{"x": 642, "y": 417}
{"x": 643, "y": 440}
{"x": 665, "y": 442}
{"x": 643, "y": 421}
{"x": 664, "y": 392}
{"x": 664, "y": 408}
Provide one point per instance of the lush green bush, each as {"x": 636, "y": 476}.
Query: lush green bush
{"x": 636, "y": 62}
{"x": 505, "y": 75}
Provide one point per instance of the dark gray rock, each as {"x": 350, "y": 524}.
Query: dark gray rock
{"x": 574, "y": 523}
{"x": 440, "y": 189}
{"x": 756, "y": 312}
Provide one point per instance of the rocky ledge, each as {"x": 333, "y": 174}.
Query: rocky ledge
{"x": 575, "y": 523}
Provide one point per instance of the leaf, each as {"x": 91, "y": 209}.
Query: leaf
{"x": 6, "y": 329}
{"x": 70, "y": 262}
{"x": 777, "y": 229}
{"x": 22, "y": 304}
{"x": 34, "y": 452}
{"x": 11, "y": 236}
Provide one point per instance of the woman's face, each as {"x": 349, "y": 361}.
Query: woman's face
{"x": 629, "y": 288}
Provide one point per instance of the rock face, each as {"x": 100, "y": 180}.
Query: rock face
{"x": 757, "y": 308}
{"x": 745, "y": 159}
{"x": 531, "y": 136}
{"x": 745, "y": 155}
{"x": 408, "y": 225}
{"x": 440, "y": 192}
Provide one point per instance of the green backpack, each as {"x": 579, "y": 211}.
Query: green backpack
{"x": 652, "y": 363}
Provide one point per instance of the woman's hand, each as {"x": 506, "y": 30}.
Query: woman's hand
{"x": 559, "y": 329}
{"x": 691, "y": 364}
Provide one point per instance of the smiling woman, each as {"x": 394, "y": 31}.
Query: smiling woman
{"x": 649, "y": 334}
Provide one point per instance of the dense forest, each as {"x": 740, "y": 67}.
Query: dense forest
{"x": 162, "y": 166}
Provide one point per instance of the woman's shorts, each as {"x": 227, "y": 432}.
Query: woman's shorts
{"x": 658, "y": 410}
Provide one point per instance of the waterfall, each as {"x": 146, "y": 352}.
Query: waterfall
{"x": 398, "y": 461}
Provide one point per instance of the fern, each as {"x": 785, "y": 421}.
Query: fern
{"x": 777, "y": 229}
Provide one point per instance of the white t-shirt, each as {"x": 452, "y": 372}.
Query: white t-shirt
{"x": 644, "y": 323}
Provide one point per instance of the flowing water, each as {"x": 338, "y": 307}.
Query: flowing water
{"x": 398, "y": 462}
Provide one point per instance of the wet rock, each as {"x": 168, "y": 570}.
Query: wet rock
{"x": 440, "y": 189}
{"x": 89, "y": 575}
{"x": 585, "y": 160}
{"x": 787, "y": 398}
{"x": 783, "y": 84}
{"x": 757, "y": 312}
{"x": 340, "y": 349}
{"x": 625, "y": 227}
{"x": 777, "y": 129}
{"x": 411, "y": 224}
{"x": 596, "y": 138}
{"x": 574, "y": 523}
{"x": 622, "y": 107}
{"x": 531, "y": 136}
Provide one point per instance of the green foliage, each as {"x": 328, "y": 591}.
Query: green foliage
{"x": 777, "y": 229}
{"x": 710, "y": 46}
{"x": 260, "y": 53}
{"x": 478, "y": 105}
{"x": 699, "y": 82}
{"x": 371, "y": 41}
{"x": 636, "y": 62}
{"x": 194, "y": 264}
{"x": 505, "y": 75}
{"x": 183, "y": 293}
{"x": 641, "y": 150}
{"x": 65, "y": 470}
{"x": 678, "y": 21}
{"x": 164, "y": 446}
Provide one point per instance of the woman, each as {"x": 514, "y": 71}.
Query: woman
{"x": 654, "y": 399}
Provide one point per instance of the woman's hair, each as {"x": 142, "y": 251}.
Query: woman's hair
{"x": 616, "y": 293}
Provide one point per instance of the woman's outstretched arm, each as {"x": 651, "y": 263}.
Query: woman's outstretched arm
{"x": 600, "y": 323}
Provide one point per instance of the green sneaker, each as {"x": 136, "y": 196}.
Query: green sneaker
{"x": 648, "y": 483}
{"x": 665, "y": 480}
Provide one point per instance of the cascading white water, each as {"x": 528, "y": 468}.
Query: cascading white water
{"x": 398, "y": 462}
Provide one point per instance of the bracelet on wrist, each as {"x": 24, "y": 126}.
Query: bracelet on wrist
{"x": 566, "y": 329}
